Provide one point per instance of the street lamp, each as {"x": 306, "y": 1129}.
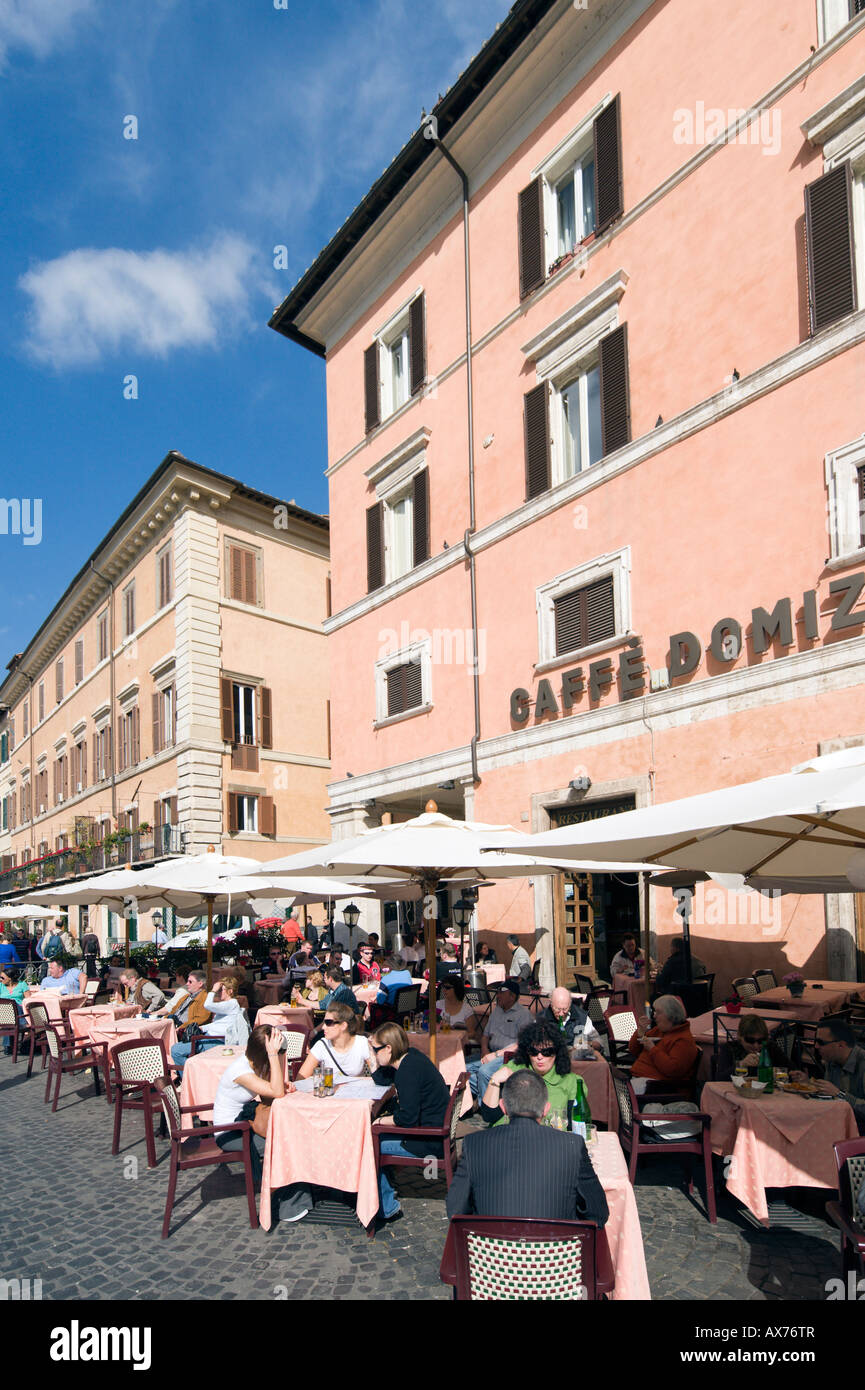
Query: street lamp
{"x": 462, "y": 914}
{"x": 351, "y": 917}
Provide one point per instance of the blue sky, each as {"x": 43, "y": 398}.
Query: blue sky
{"x": 153, "y": 257}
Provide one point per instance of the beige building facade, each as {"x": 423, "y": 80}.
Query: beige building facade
{"x": 177, "y": 695}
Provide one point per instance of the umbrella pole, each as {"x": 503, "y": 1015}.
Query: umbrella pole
{"x": 210, "y": 943}
{"x": 646, "y": 933}
{"x": 428, "y": 888}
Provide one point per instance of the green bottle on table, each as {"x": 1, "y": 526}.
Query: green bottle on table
{"x": 765, "y": 1070}
{"x": 581, "y": 1114}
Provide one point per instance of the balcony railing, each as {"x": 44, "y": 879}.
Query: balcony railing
{"x": 80, "y": 860}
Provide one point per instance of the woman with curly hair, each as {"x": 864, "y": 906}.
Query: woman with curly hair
{"x": 541, "y": 1048}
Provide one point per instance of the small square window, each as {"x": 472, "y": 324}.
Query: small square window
{"x": 403, "y": 682}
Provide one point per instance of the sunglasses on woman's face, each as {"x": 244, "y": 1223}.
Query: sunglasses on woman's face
{"x": 331, "y": 1022}
{"x": 541, "y": 1051}
{"x": 380, "y": 1048}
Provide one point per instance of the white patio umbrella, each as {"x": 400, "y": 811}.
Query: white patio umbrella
{"x": 25, "y": 911}
{"x": 427, "y": 850}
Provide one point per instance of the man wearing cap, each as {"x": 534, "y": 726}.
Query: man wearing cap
{"x": 506, "y": 1021}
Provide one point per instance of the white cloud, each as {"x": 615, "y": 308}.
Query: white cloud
{"x": 90, "y": 303}
{"x": 38, "y": 25}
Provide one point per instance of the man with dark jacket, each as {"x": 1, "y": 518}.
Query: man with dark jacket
{"x": 523, "y": 1169}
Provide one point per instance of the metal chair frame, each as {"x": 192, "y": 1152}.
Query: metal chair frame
{"x": 195, "y": 1147}
{"x": 635, "y": 1140}
{"x": 62, "y": 1061}
{"x": 446, "y": 1132}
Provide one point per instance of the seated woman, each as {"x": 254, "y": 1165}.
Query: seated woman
{"x": 667, "y": 1052}
{"x": 13, "y": 987}
{"x": 543, "y": 1049}
{"x": 454, "y": 1011}
{"x": 312, "y": 992}
{"x": 485, "y": 955}
{"x": 752, "y": 1036}
{"x": 342, "y": 1047}
{"x": 228, "y": 1025}
{"x": 422, "y": 1100}
{"x": 258, "y": 1074}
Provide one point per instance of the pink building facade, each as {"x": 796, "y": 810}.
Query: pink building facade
{"x": 622, "y": 559}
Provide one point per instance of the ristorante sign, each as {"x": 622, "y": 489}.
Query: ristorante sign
{"x": 685, "y": 653}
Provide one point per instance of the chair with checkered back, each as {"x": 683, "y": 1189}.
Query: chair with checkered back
{"x": 38, "y": 1017}
{"x": 196, "y": 1146}
{"x": 406, "y": 1001}
{"x": 764, "y": 979}
{"x": 91, "y": 989}
{"x": 65, "y": 1057}
{"x": 622, "y": 1025}
{"x": 846, "y": 1213}
{"x": 138, "y": 1064}
{"x": 9, "y": 1024}
{"x": 296, "y": 1047}
{"x": 745, "y": 987}
{"x": 506, "y": 1259}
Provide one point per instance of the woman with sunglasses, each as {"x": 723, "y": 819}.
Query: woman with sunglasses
{"x": 341, "y": 1047}
{"x": 744, "y": 1050}
{"x": 422, "y": 1100}
{"x": 541, "y": 1048}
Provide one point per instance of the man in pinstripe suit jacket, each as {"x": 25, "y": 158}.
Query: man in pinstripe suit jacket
{"x": 523, "y": 1169}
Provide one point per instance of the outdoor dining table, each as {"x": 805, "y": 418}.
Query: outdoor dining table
{"x": 56, "y": 1003}
{"x": 114, "y": 1031}
{"x": 635, "y": 991}
{"x": 280, "y": 1015}
{"x": 325, "y": 1143}
{"x": 818, "y": 998}
{"x": 624, "y": 1236}
{"x": 271, "y": 989}
{"x": 84, "y": 1022}
{"x": 600, "y": 1090}
{"x": 779, "y": 1140}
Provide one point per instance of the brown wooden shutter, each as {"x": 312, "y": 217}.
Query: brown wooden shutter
{"x": 250, "y": 577}
{"x": 266, "y": 816}
{"x": 156, "y": 707}
{"x": 829, "y": 239}
{"x": 860, "y": 479}
{"x": 370, "y": 383}
{"x": 58, "y": 678}
{"x": 157, "y": 814}
{"x": 328, "y": 730}
{"x": 232, "y": 813}
{"x": 109, "y": 750}
{"x": 135, "y": 751}
{"x": 607, "y": 132}
{"x": 226, "y": 701}
{"x": 374, "y": 548}
{"x": 235, "y": 572}
{"x": 404, "y": 688}
{"x": 420, "y": 513}
{"x": 64, "y": 777}
{"x": 82, "y": 764}
{"x": 327, "y": 598}
{"x": 531, "y": 237}
{"x": 417, "y": 344}
{"x": 536, "y": 421}
{"x": 266, "y": 717}
{"x": 173, "y": 809}
{"x": 615, "y": 390}
{"x": 79, "y": 662}
{"x": 584, "y": 616}
{"x": 96, "y": 739}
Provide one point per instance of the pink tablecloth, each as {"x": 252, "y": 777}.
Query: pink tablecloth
{"x": 814, "y": 1003}
{"x": 326, "y": 1143}
{"x": 280, "y": 1015}
{"x": 450, "y": 1058}
{"x": 702, "y": 1030}
{"x": 780, "y": 1141}
{"x": 125, "y": 1029}
{"x": 494, "y": 973}
{"x": 271, "y": 989}
{"x": 601, "y": 1092}
{"x": 56, "y": 1003}
{"x": 624, "y": 1235}
{"x": 201, "y": 1075}
{"x": 84, "y": 1021}
{"x": 635, "y": 991}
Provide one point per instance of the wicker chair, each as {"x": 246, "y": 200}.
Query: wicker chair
{"x": 445, "y": 1132}
{"x": 37, "y": 1015}
{"x": 9, "y": 1024}
{"x": 746, "y": 987}
{"x": 764, "y": 979}
{"x": 407, "y": 1001}
{"x": 599, "y": 1001}
{"x": 91, "y": 989}
{"x": 138, "y": 1063}
{"x": 196, "y": 1147}
{"x": 500, "y": 1258}
{"x": 639, "y": 1139}
{"x": 621, "y": 1026}
{"x": 65, "y": 1057}
{"x": 296, "y": 1047}
{"x": 850, "y": 1160}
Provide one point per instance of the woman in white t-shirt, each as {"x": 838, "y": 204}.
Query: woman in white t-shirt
{"x": 342, "y": 1047}
{"x": 453, "y": 1009}
{"x": 257, "y": 1072}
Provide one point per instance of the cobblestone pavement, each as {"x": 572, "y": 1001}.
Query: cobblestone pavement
{"x": 88, "y": 1225}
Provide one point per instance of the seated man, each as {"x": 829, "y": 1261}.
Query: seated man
{"x": 506, "y": 1021}
{"x": 71, "y": 981}
{"x": 339, "y": 991}
{"x": 672, "y": 972}
{"x": 447, "y": 964}
{"x": 628, "y": 959}
{"x": 565, "y": 1013}
{"x": 304, "y": 959}
{"x": 844, "y": 1066}
{"x": 491, "y": 1177}
{"x": 667, "y": 1052}
{"x": 188, "y": 1010}
{"x": 135, "y": 989}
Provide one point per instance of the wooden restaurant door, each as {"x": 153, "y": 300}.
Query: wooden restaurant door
{"x": 575, "y": 900}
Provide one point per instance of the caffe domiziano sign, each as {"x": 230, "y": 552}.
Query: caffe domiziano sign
{"x": 685, "y": 653}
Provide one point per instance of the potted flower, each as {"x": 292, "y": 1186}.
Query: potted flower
{"x": 795, "y": 984}
{"x": 733, "y": 1005}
